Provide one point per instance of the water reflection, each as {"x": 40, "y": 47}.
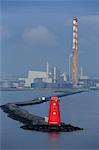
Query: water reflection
{"x": 54, "y": 138}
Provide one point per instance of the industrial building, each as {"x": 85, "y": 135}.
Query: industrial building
{"x": 32, "y": 75}
{"x": 50, "y": 77}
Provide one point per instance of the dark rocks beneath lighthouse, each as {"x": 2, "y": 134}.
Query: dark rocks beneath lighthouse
{"x": 51, "y": 128}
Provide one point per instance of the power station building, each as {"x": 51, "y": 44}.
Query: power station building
{"x": 47, "y": 77}
{"x": 32, "y": 75}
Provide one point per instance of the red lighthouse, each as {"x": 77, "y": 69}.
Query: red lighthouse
{"x": 54, "y": 112}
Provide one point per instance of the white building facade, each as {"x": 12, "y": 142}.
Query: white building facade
{"x": 32, "y": 75}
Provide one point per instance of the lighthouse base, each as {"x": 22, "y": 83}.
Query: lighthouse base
{"x": 51, "y": 128}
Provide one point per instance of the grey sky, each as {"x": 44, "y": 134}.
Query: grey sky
{"x": 34, "y": 32}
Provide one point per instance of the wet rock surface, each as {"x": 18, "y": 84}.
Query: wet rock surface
{"x": 51, "y": 128}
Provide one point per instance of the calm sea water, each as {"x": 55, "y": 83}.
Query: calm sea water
{"x": 81, "y": 110}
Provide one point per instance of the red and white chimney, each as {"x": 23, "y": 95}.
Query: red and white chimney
{"x": 75, "y": 52}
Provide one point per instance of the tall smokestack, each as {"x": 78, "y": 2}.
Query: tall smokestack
{"x": 47, "y": 70}
{"x": 54, "y": 74}
{"x": 81, "y": 72}
{"x": 75, "y": 52}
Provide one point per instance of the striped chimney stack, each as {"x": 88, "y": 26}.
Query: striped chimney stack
{"x": 75, "y": 52}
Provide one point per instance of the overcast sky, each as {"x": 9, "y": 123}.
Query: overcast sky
{"x": 33, "y": 32}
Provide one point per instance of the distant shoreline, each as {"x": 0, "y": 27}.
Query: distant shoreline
{"x": 59, "y": 89}
{"x": 15, "y": 89}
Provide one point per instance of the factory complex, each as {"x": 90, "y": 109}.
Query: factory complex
{"x": 49, "y": 78}
{"x": 53, "y": 77}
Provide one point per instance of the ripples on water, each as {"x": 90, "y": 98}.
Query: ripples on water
{"x": 80, "y": 110}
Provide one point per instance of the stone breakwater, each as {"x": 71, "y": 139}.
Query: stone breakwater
{"x": 34, "y": 122}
